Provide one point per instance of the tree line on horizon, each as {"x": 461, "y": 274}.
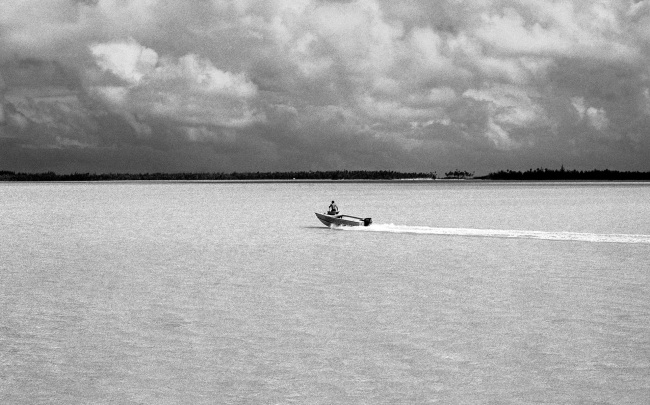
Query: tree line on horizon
{"x": 530, "y": 174}
{"x": 562, "y": 174}
{"x": 6, "y": 175}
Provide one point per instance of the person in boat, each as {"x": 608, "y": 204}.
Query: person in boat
{"x": 333, "y": 209}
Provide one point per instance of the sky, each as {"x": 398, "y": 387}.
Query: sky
{"x": 281, "y": 85}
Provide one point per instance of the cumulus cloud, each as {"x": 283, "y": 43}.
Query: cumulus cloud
{"x": 129, "y": 60}
{"x": 596, "y": 117}
{"x": 188, "y": 89}
{"x": 316, "y": 84}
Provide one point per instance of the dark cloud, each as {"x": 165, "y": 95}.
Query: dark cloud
{"x": 315, "y": 85}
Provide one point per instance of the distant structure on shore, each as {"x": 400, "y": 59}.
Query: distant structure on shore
{"x": 459, "y": 175}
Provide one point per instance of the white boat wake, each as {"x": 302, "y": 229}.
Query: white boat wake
{"x": 506, "y": 233}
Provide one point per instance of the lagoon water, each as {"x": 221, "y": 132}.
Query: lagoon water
{"x": 234, "y": 293}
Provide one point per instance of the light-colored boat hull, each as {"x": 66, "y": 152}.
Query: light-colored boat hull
{"x": 342, "y": 220}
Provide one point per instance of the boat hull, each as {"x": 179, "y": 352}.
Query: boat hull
{"x": 342, "y": 220}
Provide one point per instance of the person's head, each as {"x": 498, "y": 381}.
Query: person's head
{"x": 332, "y": 202}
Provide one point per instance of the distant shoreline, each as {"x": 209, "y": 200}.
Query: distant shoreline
{"x": 338, "y": 175}
{"x": 330, "y": 176}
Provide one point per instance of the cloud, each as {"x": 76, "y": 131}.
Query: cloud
{"x": 596, "y": 117}
{"x": 188, "y": 89}
{"x": 262, "y": 85}
{"x": 509, "y": 33}
{"x": 129, "y": 60}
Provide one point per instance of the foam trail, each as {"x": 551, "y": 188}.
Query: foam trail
{"x": 508, "y": 233}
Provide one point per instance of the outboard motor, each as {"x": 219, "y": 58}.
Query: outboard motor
{"x": 367, "y": 221}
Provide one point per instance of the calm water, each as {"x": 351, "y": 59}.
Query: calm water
{"x": 210, "y": 293}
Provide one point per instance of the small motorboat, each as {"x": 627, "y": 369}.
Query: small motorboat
{"x": 342, "y": 220}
